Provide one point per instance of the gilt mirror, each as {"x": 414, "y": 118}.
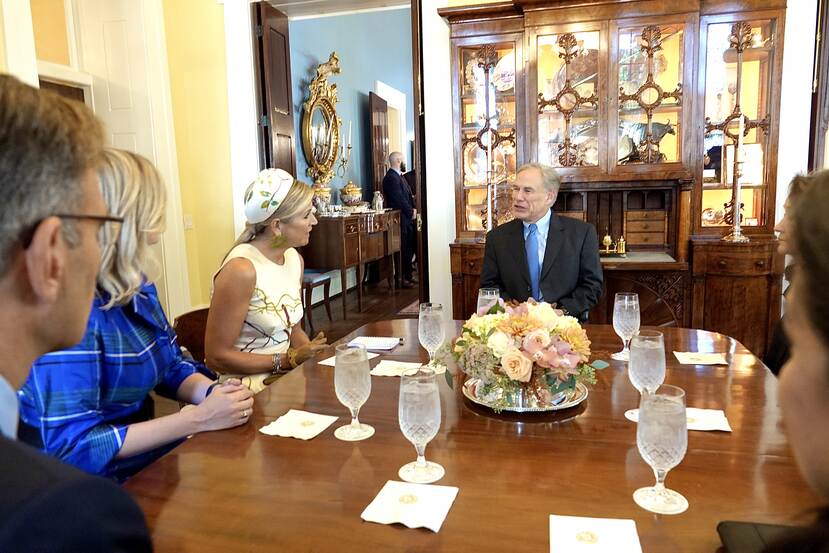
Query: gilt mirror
{"x": 320, "y": 124}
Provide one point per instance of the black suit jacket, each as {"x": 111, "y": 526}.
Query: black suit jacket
{"x": 47, "y": 506}
{"x": 398, "y": 195}
{"x": 571, "y": 275}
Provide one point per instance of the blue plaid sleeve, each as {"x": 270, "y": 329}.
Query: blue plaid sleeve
{"x": 62, "y": 399}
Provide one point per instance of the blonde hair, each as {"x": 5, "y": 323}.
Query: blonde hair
{"x": 298, "y": 197}
{"x": 132, "y": 189}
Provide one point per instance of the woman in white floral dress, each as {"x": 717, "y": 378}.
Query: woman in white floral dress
{"x": 253, "y": 329}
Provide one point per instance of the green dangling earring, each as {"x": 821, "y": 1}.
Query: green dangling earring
{"x": 278, "y": 241}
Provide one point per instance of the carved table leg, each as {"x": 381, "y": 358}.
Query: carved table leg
{"x": 344, "y": 287}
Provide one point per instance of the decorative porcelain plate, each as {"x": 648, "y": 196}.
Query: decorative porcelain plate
{"x": 571, "y": 399}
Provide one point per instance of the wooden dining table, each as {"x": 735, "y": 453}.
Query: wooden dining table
{"x": 241, "y": 490}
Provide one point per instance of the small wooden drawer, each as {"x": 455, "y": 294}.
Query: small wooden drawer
{"x": 572, "y": 214}
{"x": 352, "y": 227}
{"x": 736, "y": 265}
{"x": 645, "y": 226}
{"x": 649, "y": 215}
{"x": 472, "y": 261}
{"x": 642, "y": 238}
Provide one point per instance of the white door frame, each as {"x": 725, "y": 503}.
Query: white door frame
{"x": 19, "y": 40}
{"x": 174, "y": 255}
{"x": 397, "y": 100}
{"x": 241, "y": 103}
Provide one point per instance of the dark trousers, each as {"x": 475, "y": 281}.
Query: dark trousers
{"x": 407, "y": 247}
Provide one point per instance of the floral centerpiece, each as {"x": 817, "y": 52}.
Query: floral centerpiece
{"x": 524, "y": 356}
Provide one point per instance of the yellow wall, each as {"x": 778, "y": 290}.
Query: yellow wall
{"x": 198, "y": 84}
{"x": 2, "y": 48}
{"x": 49, "y": 22}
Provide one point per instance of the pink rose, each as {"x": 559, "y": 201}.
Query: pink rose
{"x": 549, "y": 358}
{"x": 516, "y": 365}
{"x": 536, "y": 341}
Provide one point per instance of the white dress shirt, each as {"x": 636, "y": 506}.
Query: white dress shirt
{"x": 8, "y": 410}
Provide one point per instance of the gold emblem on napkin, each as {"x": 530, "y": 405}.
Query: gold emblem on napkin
{"x": 408, "y": 499}
{"x": 587, "y": 537}
{"x": 307, "y": 423}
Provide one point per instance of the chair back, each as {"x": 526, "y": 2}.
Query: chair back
{"x": 190, "y": 328}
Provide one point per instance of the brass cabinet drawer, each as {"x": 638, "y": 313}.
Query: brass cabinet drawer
{"x": 352, "y": 227}
{"x": 639, "y": 238}
{"x": 649, "y": 215}
{"x": 645, "y": 226}
{"x": 736, "y": 265}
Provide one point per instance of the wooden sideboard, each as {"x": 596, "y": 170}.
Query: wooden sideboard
{"x": 339, "y": 243}
{"x": 737, "y": 290}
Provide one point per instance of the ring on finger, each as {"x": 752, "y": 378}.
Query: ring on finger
{"x": 244, "y": 413}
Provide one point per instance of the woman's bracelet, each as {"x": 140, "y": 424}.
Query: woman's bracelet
{"x": 210, "y": 389}
{"x": 292, "y": 352}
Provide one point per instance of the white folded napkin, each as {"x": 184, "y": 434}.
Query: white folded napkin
{"x": 700, "y": 358}
{"x": 298, "y": 424}
{"x": 382, "y": 343}
{"x": 593, "y": 535}
{"x": 389, "y": 367}
{"x": 414, "y": 505}
{"x": 331, "y": 360}
{"x": 698, "y": 419}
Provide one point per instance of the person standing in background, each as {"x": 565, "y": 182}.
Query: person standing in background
{"x": 399, "y": 196}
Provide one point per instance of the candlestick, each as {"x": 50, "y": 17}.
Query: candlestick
{"x": 349, "y": 134}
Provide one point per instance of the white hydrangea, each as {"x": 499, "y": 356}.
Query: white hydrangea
{"x": 499, "y": 342}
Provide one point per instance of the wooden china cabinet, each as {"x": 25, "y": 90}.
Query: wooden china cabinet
{"x": 638, "y": 106}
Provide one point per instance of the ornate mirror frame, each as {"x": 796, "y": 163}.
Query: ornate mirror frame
{"x": 323, "y": 97}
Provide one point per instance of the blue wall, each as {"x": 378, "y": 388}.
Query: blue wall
{"x": 373, "y": 46}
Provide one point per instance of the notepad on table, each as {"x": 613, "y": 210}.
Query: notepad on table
{"x": 379, "y": 343}
{"x": 332, "y": 361}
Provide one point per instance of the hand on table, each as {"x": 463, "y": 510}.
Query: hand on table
{"x": 230, "y": 404}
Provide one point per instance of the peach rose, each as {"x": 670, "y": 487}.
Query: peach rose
{"x": 516, "y": 365}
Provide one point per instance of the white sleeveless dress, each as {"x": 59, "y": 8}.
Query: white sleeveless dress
{"x": 273, "y": 310}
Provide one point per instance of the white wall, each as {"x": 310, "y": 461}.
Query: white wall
{"x": 796, "y": 96}
{"x": 440, "y": 172}
{"x": 18, "y": 39}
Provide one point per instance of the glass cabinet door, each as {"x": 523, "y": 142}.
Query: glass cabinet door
{"x": 488, "y": 132}
{"x": 568, "y": 99}
{"x": 650, "y": 67}
{"x": 738, "y": 79}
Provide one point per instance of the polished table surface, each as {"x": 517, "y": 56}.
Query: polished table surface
{"x": 240, "y": 490}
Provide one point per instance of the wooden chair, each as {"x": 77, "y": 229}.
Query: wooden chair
{"x": 190, "y": 329}
{"x": 311, "y": 280}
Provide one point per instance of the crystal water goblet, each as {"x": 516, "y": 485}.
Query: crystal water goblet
{"x": 646, "y": 368}
{"x": 419, "y": 417}
{"x": 625, "y": 321}
{"x": 352, "y": 384}
{"x": 430, "y": 329}
{"x": 662, "y": 439}
{"x": 487, "y": 297}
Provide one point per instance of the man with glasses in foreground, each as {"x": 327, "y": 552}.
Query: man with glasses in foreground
{"x": 50, "y": 215}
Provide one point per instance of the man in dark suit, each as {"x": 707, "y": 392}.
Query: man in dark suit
{"x": 51, "y": 212}
{"x": 399, "y": 196}
{"x": 540, "y": 254}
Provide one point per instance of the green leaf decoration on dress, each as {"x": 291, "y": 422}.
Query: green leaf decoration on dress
{"x": 264, "y": 204}
{"x": 265, "y": 193}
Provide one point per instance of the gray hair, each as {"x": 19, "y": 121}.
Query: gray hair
{"x": 394, "y": 157}
{"x": 549, "y": 177}
{"x": 47, "y": 143}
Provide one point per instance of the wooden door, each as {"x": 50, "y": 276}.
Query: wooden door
{"x": 273, "y": 72}
{"x": 378, "y": 110}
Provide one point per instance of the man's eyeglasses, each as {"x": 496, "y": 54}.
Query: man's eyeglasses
{"x": 115, "y": 222}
